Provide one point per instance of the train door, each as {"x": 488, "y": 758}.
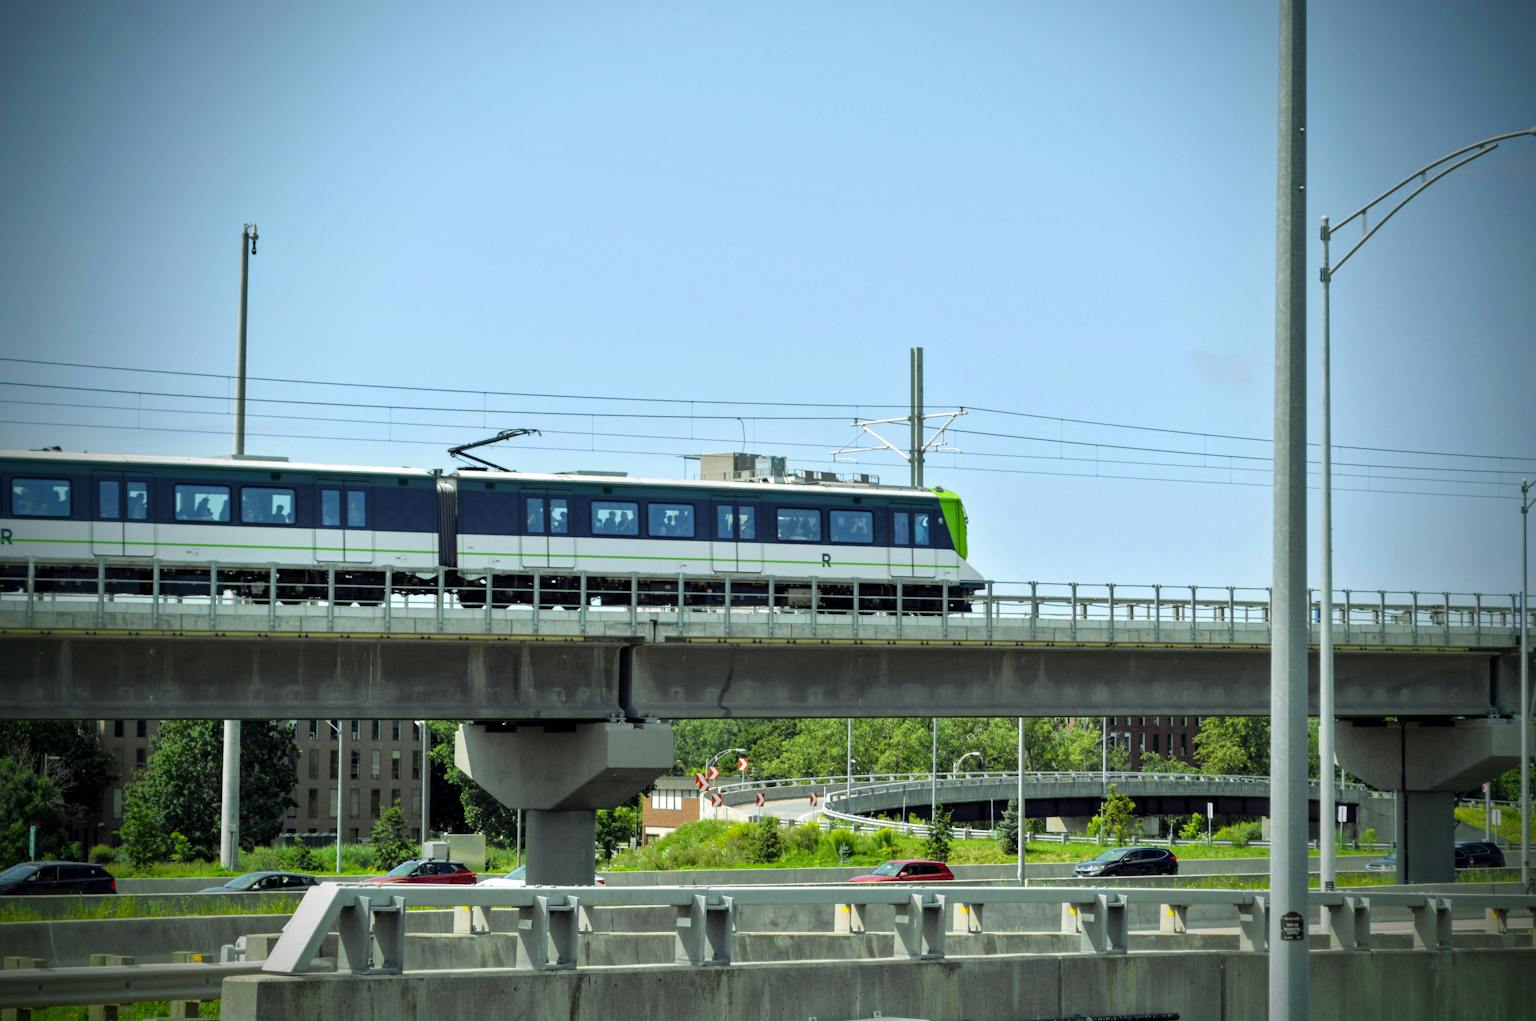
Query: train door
{"x": 344, "y": 523}
{"x": 911, "y": 550}
{"x": 735, "y": 544}
{"x": 547, "y": 539}
{"x": 120, "y": 520}
{"x": 924, "y": 559}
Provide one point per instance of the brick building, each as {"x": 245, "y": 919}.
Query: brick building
{"x": 383, "y": 767}
{"x": 672, "y": 802}
{"x": 1173, "y": 736}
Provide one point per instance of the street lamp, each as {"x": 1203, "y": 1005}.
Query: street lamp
{"x": 1426, "y": 176}
{"x": 1526, "y": 499}
{"x": 341, "y": 771}
{"x": 956, "y": 767}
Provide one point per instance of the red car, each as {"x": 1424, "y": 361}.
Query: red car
{"x": 908, "y": 871}
{"x": 418, "y": 871}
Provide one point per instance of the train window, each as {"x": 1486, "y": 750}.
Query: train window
{"x": 736, "y": 523}
{"x": 357, "y": 508}
{"x": 920, "y": 528}
{"x": 202, "y": 503}
{"x": 611, "y": 517}
{"x": 799, "y": 525}
{"x": 330, "y": 508}
{"x": 670, "y": 519}
{"x": 559, "y": 516}
{"x": 107, "y": 491}
{"x": 851, "y": 526}
{"x": 138, "y": 501}
{"x": 533, "y": 515}
{"x": 40, "y": 498}
{"x": 262, "y": 505}
{"x": 901, "y": 529}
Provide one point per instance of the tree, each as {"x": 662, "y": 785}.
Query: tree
{"x": 69, "y": 753}
{"x": 1153, "y": 762}
{"x": 940, "y": 834}
{"x": 765, "y": 845}
{"x": 391, "y": 840}
{"x": 1193, "y": 827}
{"x": 1233, "y": 745}
{"x": 1116, "y": 817}
{"x": 1008, "y": 828}
{"x": 29, "y": 799}
{"x": 616, "y": 827}
{"x": 180, "y": 787}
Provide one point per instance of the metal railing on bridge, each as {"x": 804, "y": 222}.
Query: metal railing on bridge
{"x": 341, "y": 599}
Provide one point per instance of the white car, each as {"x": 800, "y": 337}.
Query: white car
{"x": 518, "y": 877}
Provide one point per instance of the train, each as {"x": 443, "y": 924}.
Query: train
{"x": 502, "y": 537}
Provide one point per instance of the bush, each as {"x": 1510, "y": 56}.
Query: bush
{"x": 103, "y": 854}
{"x": 391, "y": 840}
{"x": 1368, "y": 836}
{"x": 885, "y": 840}
{"x": 302, "y": 858}
{"x": 764, "y": 845}
{"x": 804, "y": 838}
{"x": 837, "y": 842}
{"x": 1193, "y": 828}
{"x": 1240, "y": 834}
{"x": 940, "y": 834}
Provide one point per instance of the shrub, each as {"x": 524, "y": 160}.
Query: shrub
{"x": 1368, "y": 836}
{"x": 885, "y": 840}
{"x": 391, "y": 840}
{"x": 1240, "y": 834}
{"x": 302, "y": 858}
{"x": 804, "y": 838}
{"x": 764, "y": 844}
{"x": 1193, "y": 827}
{"x": 839, "y": 844}
{"x": 103, "y": 854}
{"x": 940, "y": 834}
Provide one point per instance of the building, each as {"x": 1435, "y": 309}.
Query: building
{"x": 383, "y": 768}
{"x": 673, "y": 801}
{"x": 1173, "y": 736}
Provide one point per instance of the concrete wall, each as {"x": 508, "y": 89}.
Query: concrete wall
{"x": 1498, "y": 985}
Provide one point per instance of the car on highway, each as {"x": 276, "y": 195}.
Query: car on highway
{"x": 264, "y": 882}
{"x": 1129, "y": 861}
{"x": 43, "y": 877}
{"x": 518, "y": 877}
{"x": 908, "y": 870}
{"x": 1387, "y": 864}
{"x": 1479, "y": 854}
{"x": 417, "y": 870}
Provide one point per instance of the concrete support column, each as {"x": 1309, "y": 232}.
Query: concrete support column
{"x": 1426, "y": 764}
{"x": 561, "y": 774}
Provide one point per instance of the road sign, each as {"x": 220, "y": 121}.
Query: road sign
{"x": 1343, "y": 813}
{"x": 760, "y": 799}
{"x": 1292, "y": 927}
{"x": 699, "y": 782}
{"x": 741, "y": 764}
{"x": 1498, "y": 816}
{"x": 813, "y": 797}
{"x": 715, "y": 799}
{"x": 714, "y": 773}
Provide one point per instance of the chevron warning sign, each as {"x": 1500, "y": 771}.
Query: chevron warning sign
{"x": 760, "y": 799}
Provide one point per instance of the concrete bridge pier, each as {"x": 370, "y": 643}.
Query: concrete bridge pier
{"x": 561, "y": 774}
{"x": 1427, "y": 762}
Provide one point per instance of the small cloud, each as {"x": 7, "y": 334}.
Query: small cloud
{"x": 1221, "y": 369}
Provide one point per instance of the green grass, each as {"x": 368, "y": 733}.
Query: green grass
{"x": 1508, "y": 829}
{"x": 129, "y": 1012}
{"x": 155, "y": 907}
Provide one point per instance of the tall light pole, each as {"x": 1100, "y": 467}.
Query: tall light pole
{"x": 955, "y": 769}
{"x": 848, "y": 774}
{"x": 341, "y": 771}
{"x": 933, "y": 789}
{"x": 426, "y": 789}
{"x": 1019, "y": 817}
{"x": 1425, "y": 176}
{"x": 1525, "y": 690}
{"x": 229, "y": 811}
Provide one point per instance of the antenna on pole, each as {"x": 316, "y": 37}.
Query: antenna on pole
{"x": 505, "y": 434}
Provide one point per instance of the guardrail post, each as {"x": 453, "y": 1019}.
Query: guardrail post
{"x": 490, "y": 599}
{"x": 728, "y": 606}
{"x": 581, "y": 613}
{"x": 32, "y": 588}
{"x": 1104, "y": 924}
{"x": 1157, "y": 613}
{"x": 352, "y": 930}
{"x": 1173, "y": 918}
{"x": 1382, "y": 619}
{"x": 19, "y": 963}
{"x": 705, "y": 928}
{"x": 1034, "y": 610}
{"x": 851, "y": 918}
{"x": 991, "y": 609}
{"x": 441, "y": 582}
{"x": 1231, "y": 614}
{"x": 770, "y": 606}
{"x": 181, "y": 1009}
{"x": 1497, "y": 921}
{"x": 213, "y": 596}
{"x": 272, "y": 597}
{"x": 1253, "y": 924}
{"x": 1477, "y": 616}
{"x": 682, "y": 600}
{"x": 1432, "y": 924}
{"x": 548, "y": 934}
{"x": 1111, "y": 613}
{"x": 107, "y": 1011}
{"x": 1349, "y": 611}
{"x": 1194, "y": 614}
{"x": 1414, "y": 620}
{"x": 919, "y": 927}
{"x": 101, "y": 591}
{"x": 634, "y": 600}
{"x": 537, "y": 599}
{"x": 967, "y": 918}
{"x": 1349, "y": 924}
{"x": 389, "y": 584}
{"x": 855, "y": 607}
{"x": 330, "y": 617}
{"x": 1072, "y": 604}
{"x": 1447, "y": 620}
{"x": 815, "y": 606}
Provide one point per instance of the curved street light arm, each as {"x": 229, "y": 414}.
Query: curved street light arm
{"x": 1484, "y": 144}
{"x": 1405, "y": 200}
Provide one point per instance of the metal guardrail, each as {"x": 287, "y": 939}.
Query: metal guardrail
{"x": 551, "y": 920}
{"x": 125, "y": 983}
{"x": 349, "y": 598}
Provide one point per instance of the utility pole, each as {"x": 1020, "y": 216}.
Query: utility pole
{"x": 1288, "y": 993}
{"x": 1019, "y": 819}
{"x": 229, "y": 810}
{"x": 917, "y": 418}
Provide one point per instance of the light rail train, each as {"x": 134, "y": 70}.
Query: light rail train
{"x": 502, "y": 536}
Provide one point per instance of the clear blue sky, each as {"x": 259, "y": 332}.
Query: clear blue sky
{"x": 1069, "y": 206}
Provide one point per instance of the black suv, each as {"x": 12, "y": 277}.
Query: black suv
{"x": 1130, "y": 861}
{"x": 1479, "y": 854}
{"x": 38, "y": 877}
